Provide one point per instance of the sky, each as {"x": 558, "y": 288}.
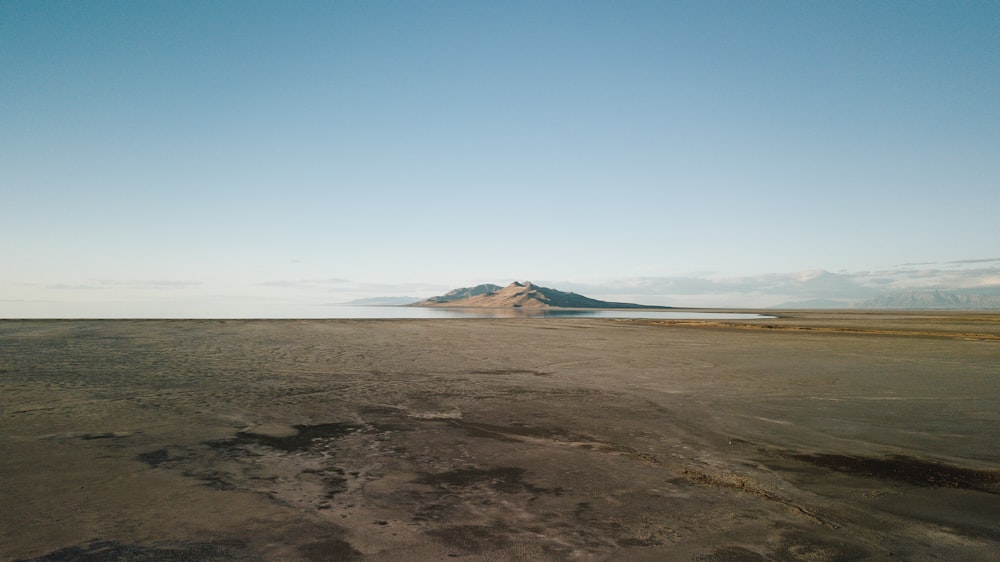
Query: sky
{"x": 268, "y": 159}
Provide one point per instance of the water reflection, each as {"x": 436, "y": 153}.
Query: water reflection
{"x": 389, "y": 312}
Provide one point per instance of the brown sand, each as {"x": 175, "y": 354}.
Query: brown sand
{"x": 823, "y": 436}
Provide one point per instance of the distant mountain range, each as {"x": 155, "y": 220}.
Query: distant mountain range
{"x": 382, "y": 301}
{"x": 814, "y": 304}
{"x": 519, "y": 295}
{"x": 960, "y": 299}
{"x": 955, "y": 300}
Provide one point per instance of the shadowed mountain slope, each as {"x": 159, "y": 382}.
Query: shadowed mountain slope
{"x": 463, "y": 293}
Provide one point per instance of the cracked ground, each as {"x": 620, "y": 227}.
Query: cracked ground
{"x": 540, "y": 439}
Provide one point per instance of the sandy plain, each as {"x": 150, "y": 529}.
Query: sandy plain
{"x": 816, "y": 436}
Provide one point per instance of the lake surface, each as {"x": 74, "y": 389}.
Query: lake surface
{"x": 350, "y": 311}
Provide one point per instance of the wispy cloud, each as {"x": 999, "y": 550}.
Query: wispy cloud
{"x": 356, "y": 289}
{"x": 102, "y": 284}
{"x": 429, "y": 289}
{"x": 157, "y": 284}
{"x": 988, "y": 260}
{"x": 305, "y": 283}
{"x": 73, "y": 287}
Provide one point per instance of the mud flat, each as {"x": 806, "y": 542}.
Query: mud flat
{"x": 815, "y": 436}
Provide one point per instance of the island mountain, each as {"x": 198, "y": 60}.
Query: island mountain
{"x": 519, "y": 295}
{"x": 461, "y": 294}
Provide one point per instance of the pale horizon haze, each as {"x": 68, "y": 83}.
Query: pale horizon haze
{"x": 270, "y": 159}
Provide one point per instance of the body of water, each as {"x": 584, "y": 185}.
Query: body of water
{"x": 349, "y": 311}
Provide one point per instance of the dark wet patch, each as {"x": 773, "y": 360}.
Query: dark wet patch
{"x": 92, "y": 436}
{"x": 385, "y": 427}
{"x": 330, "y": 549}
{"x": 155, "y": 458}
{"x": 333, "y": 478}
{"x": 474, "y": 538}
{"x": 511, "y": 372}
{"x": 335, "y": 486}
{"x": 214, "y": 480}
{"x": 732, "y": 554}
{"x": 508, "y": 479}
{"x": 635, "y": 541}
{"x": 909, "y": 470}
{"x": 432, "y": 512}
{"x": 510, "y": 433}
{"x": 304, "y": 439}
{"x": 218, "y": 483}
{"x": 112, "y": 551}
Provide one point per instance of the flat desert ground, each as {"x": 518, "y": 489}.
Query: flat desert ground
{"x": 818, "y": 436}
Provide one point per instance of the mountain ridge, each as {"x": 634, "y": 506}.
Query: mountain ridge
{"x": 464, "y": 293}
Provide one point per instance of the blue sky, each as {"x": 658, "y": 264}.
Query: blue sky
{"x": 268, "y": 158}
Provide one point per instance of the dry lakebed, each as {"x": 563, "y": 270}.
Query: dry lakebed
{"x": 819, "y": 436}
